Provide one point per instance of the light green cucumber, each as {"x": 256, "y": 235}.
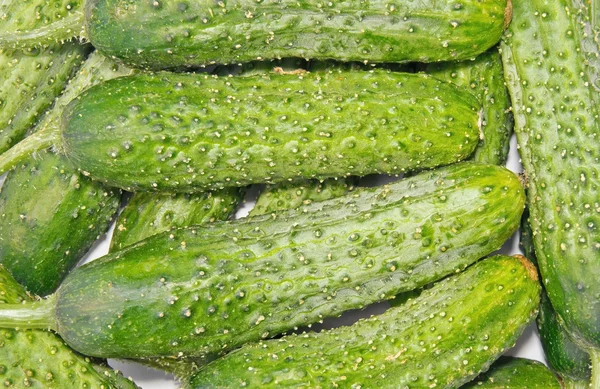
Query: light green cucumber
{"x": 147, "y": 214}
{"x": 484, "y": 77}
{"x": 168, "y": 34}
{"x": 441, "y": 339}
{"x": 515, "y": 373}
{"x": 189, "y": 132}
{"x": 205, "y": 290}
{"x": 30, "y": 80}
{"x": 40, "y": 359}
{"x": 35, "y": 23}
{"x": 556, "y": 122}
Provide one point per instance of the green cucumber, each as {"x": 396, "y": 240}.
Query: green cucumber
{"x": 441, "y": 339}
{"x": 295, "y": 195}
{"x": 40, "y": 359}
{"x": 484, "y": 77}
{"x": 515, "y": 373}
{"x": 205, "y": 290}
{"x": 167, "y": 34}
{"x": 189, "y": 132}
{"x": 30, "y": 80}
{"x": 50, "y": 215}
{"x": 34, "y": 23}
{"x": 147, "y": 214}
{"x": 556, "y": 122}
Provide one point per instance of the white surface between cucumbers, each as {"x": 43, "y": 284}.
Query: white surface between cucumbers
{"x": 528, "y": 345}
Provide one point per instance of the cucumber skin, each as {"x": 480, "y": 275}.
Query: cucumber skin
{"x": 30, "y": 81}
{"x": 168, "y": 34}
{"x": 148, "y": 214}
{"x": 485, "y": 78}
{"x": 40, "y": 359}
{"x": 50, "y": 216}
{"x": 35, "y": 23}
{"x": 556, "y": 122}
{"x": 189, "y": 132}
{"x": 443, "y": 338}
{"x": 244, "y": 269}
{"x": 515, "y": 373}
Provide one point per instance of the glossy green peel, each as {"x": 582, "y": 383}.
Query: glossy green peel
{"x": 515, "y": 373}
{"x": 442, "y": 339}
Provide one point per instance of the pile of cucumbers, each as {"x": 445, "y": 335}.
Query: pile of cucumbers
{"x": 160, "y": 117}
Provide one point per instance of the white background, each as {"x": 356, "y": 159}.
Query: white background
{"x": 527, "y": 347}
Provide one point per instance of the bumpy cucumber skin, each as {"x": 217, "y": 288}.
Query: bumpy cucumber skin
{"x": 209, "y": 289}
{"x": 190, "y": 132}
{"x": 50, "y": 215}
{"x": 515, "y": 373}
{"x": 166, "y": 34}
{"x": 30, "y": 80}
{"x": 443, "y": 338}
{"x": 293, "y": 196}
{"x": 40, "y": 359}
{"x": 485, "y": 78}
{"x": 147, "y": 214}
{"x": 34, "y": 23}
{"x": 556, "y": 122}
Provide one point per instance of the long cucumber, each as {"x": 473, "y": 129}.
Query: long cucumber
{"x": 515, "y": 373}
{"x": 205, "y": 290}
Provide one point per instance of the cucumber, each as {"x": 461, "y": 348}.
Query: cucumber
{"x": 208, "y": 289}
{"x": 30, "y": 80}
{"x": 166, "y": 34}
{"x": 189, "y": 132}
{"x": 441, "y": 339}
{"x": 515, "y": 373}
{"x": 50, "y": 216}
{"x": 40, "y": 359}
{"x": 34, "y": 23}
{"x": 556, "y": 122}
{"x": 147, "y": 214}
{"x": 295, "y": 195}
{"x": 484, "y": 77}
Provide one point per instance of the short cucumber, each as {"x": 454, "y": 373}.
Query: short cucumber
{"x": 515, "y": 373}
{"x": 441, "y": 339}
{"x": 147, "y": 214}
{"x": 168, "y": 34}
{"x": 208, "y": 289}
{"x": 190, "y": 132}
{"x": 30, "y": 80}
{"x": 484, "y": 77}
{"x": 40, "y": 359}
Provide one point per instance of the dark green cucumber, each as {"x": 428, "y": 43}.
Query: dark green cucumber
{"x": 34, "y": 23}
{"x": 50, "y": 216}
{"x": 147, "y": 214}
{"x": 292, "y": 196}
{"x": 556, "y": 122}
{"x": 208, "y": 289}
{"x": 484, "y": 77}
{"x": 515, "y": 373}
{"x": 167, "y": 34}
{"x": 30, "y": 80}
{"x": 441, "y": 339}
{"x": 40, "y": 359}
{"x": 190, "y": 132}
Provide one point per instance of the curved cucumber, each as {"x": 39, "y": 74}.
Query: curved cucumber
{"x": 40, "y": 359}
{"x": 556, "y": 122}
{"x": 30, "y": 80}
{"x": 50, "y": 215}
{"x": 147, "y": 214}
{"x": 515, "y": 373}
{"x": 35, "y": 23}
{"x": 166, "y": 34}
{"x": 190, "y": 132}
{"x": 443, "y": 338}
{"x": 206, "y": 290}
{"x": 485, "y": 78}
